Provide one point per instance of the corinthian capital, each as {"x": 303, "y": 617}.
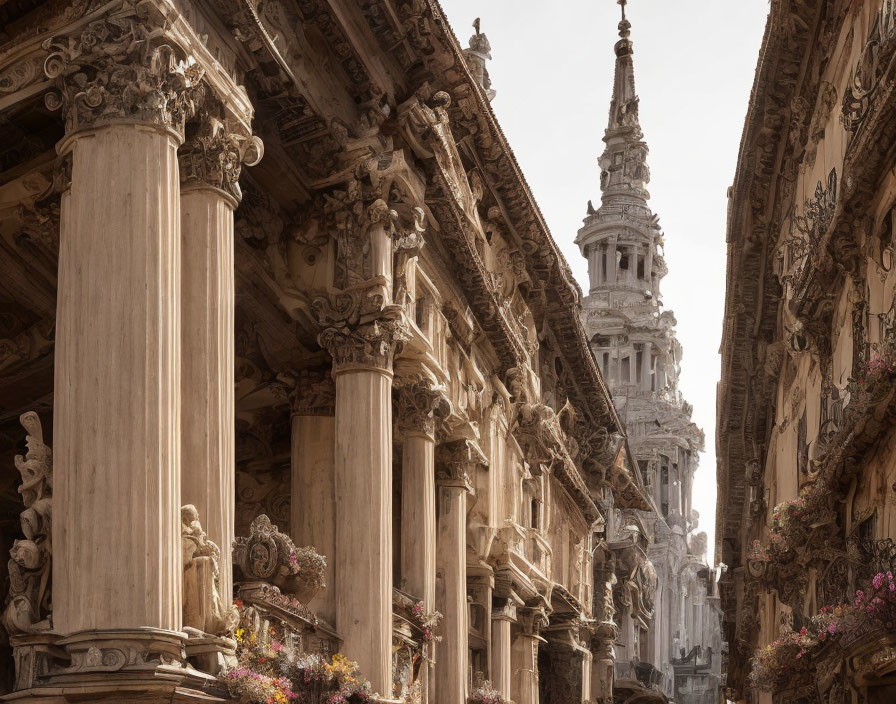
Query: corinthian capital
{"x": 121, "y": 69}
{"x": 457, "y": 461}
{"x": 214, "y": 157}
{"x": 420, "y": 405}
{"x": 369, "y": 345}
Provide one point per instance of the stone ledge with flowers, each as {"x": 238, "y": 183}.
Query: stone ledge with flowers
{"x": 484, "y": 693}
{"x": 791, "y": 661}
{"x": 273, "y": 668}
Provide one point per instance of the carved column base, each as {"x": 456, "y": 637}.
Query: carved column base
{"x": 34, "y": 657}
{"x": 135, "y": 665}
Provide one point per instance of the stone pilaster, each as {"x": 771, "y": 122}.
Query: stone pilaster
{"x": 313, "y": 484}
{"x": 117, "y": 399}
{"x": 362, "y": 366}
{"x": 210, "y": 163}
{"x": 455, "y": 463}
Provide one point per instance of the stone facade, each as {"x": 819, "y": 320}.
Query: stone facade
{"x": 805, "y": 424}
{"x": 272, "y": 278}
{"x": 667, "y": 609}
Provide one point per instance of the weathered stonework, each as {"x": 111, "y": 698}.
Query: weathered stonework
{"x": 805, "y": 424}
{"x": 368, "y": 338}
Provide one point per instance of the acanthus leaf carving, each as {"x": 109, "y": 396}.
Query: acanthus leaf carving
{"x": 421, "y": 405}
{"x": 121, "y": 69}
{"x": 214, "y": 156}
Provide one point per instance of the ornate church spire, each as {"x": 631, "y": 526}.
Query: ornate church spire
{"x": 624, "y": 172}
{"x": 624, "y": 107}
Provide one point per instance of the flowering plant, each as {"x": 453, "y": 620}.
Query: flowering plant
{"x": 250, "y": 687}
{"x": 484, "y": 693}
{"x": 271, "y": 670}
{"x": 337, "y": 677}
{"x": 787, "y": 512}
{"x": 426, "y": 621}
{"x": 780, "y": 660}
{"x": 881, "y": 366}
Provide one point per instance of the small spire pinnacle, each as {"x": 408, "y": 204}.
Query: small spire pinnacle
{"x": 624, "y": 25}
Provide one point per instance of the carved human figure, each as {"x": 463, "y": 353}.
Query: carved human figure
{"x": 204, "y": 608}
{"x": 28, "y": 605}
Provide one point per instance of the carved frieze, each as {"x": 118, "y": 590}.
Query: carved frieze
{"x": 122, "y": 68}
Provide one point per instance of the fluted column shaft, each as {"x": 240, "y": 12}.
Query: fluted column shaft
{"x": 116, "y": 532}
{"x": 363, "y": 556}
{"x": 451, "y": 669}
{"x": 418, "y": 512}
{"x": 502, "y": 673}
{"x": 313, "y": 492}
{"x": 207, "y": 382}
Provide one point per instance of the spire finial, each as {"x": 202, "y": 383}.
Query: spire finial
{"x": 624, "y": 24}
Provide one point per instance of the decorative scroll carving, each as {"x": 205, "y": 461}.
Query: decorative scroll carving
{"x": 120, "y": 69}
{"x": 215, "y": 155}
{"x": 28, "y": 603}
{"x": 270, "y": 556}
{"x": 869, "y": 71}
{"x": 203, "y": 604}
{"x": 421, "y": 405}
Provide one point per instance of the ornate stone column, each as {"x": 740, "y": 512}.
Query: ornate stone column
{"x": 455, "y": 462}
{"x": 524, "y": 655}
{"x": 605, "y": 631}
{"x": 420, "y": 406}
{"x": 362, "y": 366}
{"x": 117, "y": 567}
{"x": 210, "y": 165}
{"x": 313, "y": 484}
{"x": 503, "y": 617}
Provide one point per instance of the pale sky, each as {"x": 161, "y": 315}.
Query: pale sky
{"x": 694, "y": 63}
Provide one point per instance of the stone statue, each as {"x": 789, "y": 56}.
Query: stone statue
{"x": 204, "y": 607}
{"x": 28, "y": 605}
